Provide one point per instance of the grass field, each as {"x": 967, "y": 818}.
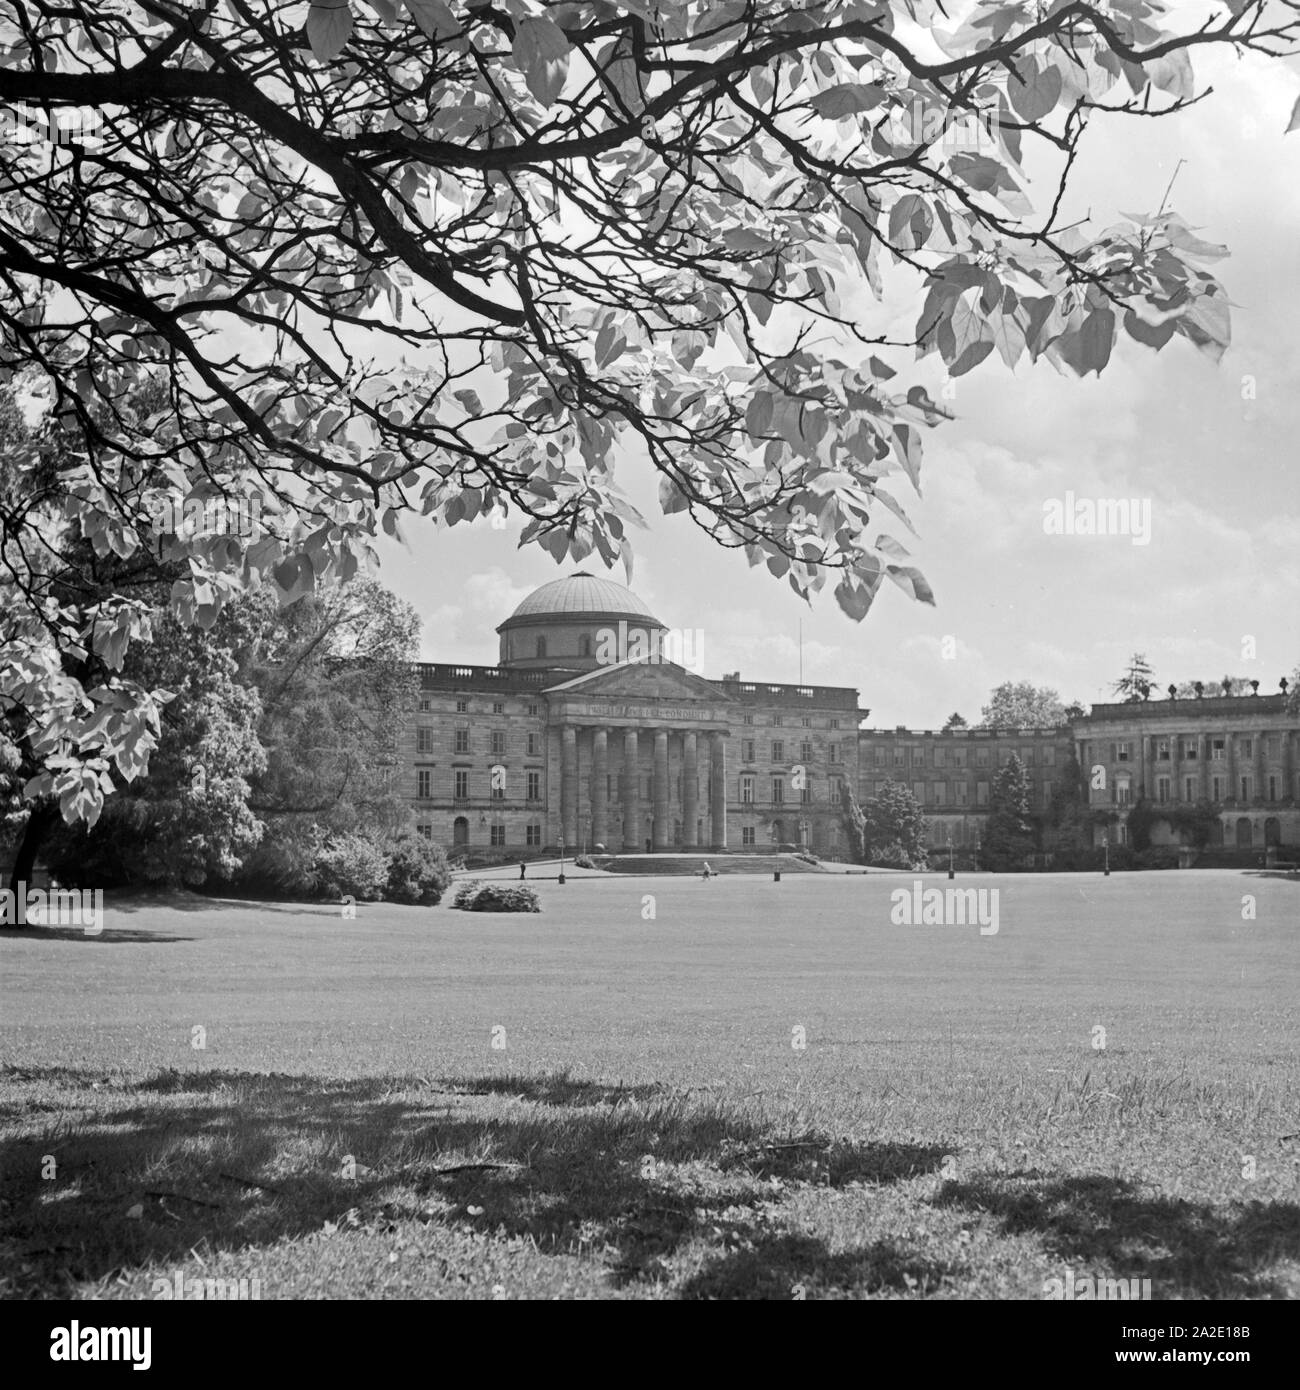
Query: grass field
{"x": 646, "y": 1124}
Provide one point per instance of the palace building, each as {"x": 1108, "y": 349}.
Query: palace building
{"x": 586, "y": 734}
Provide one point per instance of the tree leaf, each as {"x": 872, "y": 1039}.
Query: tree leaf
{"x": 434, "y": 17}
{"x": 847, "y": 99}
{"x": 329, "y": 26}
{"x": 541, "y": 52}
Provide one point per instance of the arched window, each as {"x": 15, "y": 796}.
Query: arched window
{"x": 1243, "y": 833}
{"x": 460, "y": 831}
{"x": 541, "y": 646}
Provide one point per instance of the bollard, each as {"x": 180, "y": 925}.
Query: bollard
{"x": 776, "y": 875}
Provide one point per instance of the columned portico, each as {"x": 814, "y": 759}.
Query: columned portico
{"x": 631, "y": 794}
{"x": 569, "y": 784}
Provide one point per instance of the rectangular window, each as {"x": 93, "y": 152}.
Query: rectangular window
{"x": 1162, "y": 750}
{"x": 981, "y": 793}
{"x": 498, "y": 786}
{"x": 806, "y": 722}
{"x": 533, "y": 835}
{"x": 833, "y": 753}
{"x": 778, "y": 720}
{"x": 1189, "y": 750}
{"x": 423, "y": 784}
{"x": 462, "y": 740}
{"x": 747, "y": 835}
{"x": 1272, "y": 786}
{"x": 940, "y": 757}
{"x": 981, "y": 757}
{"x": 747, "y": 750}
{"x": 1123, "y": 792}
{"x": 462, "y": 784}
{"x": 1216, "y": 788}
{"x": 1123, "y": 753}
{"x": 939, "y": 793}
{"x": 1247, "y": 747}
{"x": 534, "y": 786}
{"x": 498, "y": 743}
{"x": 805, "y": 752}
{"x": 1245, "y": 789}
{"x": 747, "y": 787}
{"x": 424, "y": 740}
{"x": 1027, "y": 757}
{"x": 880, "y": 755}
{"x": 1216, "y": 750}
{"x": 532, "y": 710}
{"x": 462, "y": 706}
{"x": 805, "y": 793}
{"x": 532, "y": 746}
{"x": 1189, "y": 788}
{"x": 918, "y": 791}
{"x": 778, "y": 790}
{"x": 498, "y": 706}
{"x": 918, "y": 757}
{"x": 899, "y": 755}
{"x": 1162, "y": 789}
{"x": 959, "y": 793}
{"x": 778, "y": 751}
{"x": 425, "y": 706}
{"x": 746, "y": 718}
{"x": 959, "y": 757}
{"x": 425, "y": 829}
{"x": 834, "y": 724}
{"x": 497, "y": 835}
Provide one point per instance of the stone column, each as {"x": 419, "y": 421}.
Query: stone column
{"x": 718, "y": 800}
{"x": 1261, "y": 767}
{"x": 569, "y": 784}
{"x": 690, "y": 789}
{"x": 1175, "y": 767}
{"x": 599, "y": 787}
{"x": 1231, "y": 754}
{"x": 631, "y": 794}
{"x": 1288, "y": 764}
{"x": 663, "y": 821}
{"x": 1203, "y": 756}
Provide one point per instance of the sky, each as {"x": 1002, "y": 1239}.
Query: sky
{"x": 1211, "y": 450}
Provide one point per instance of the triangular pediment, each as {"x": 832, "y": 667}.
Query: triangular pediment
{"x": 643, "y": 680}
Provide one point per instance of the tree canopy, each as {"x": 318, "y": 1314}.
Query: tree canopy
{"x": 449, "y": 257}
{"x": 1022, "y": 705}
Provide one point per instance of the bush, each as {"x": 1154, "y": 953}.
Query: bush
{"x": 352, "y": 865}
{"x": 583, "y": 861}
{"x": 808, "y": 857}
{"x": 1157, "y": 857}
{"x": 417, "y": 870}
{"x": 894, "y": 856}
{"x": 495, "y": 897}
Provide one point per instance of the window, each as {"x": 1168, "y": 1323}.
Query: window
{"x": 939, "y": 794}
{"x": 899, "y": 755}
{"x": 834, "y": 724}
{"x": 1246, "y": 788}
{"x": 424, "y": 740}
{"x": 1189, "y": 788}
{"x": 498, "y": 788}
{"x": 1216, "y": 750}
{"x": 498, "y": 706}
{"x": 1123, "y": 753}
{"x": 423, "y": 784}
{"x": 462, "y": 740}
{"x": 918, "y": 757}
{"x": 746, "y": 718}
{"x": 1272, "y": 786}
{"x": 462, "y": 784}
{"x": 747, "y": 750}
{"x": 497, "y": 835}
{"x": 498, "y": 743}
{"x": 534, "y": 786}
{"x": 425, "y": 704}
{"x": 805, "y": 793}
{"x": 1247, "y": 747}
{"x": 778, "y": 750}
{"x": 981, "y": 793}
{"x": 940, "y": 754}
{"x": 462, "y": 706}
{"x": 778, "y": 720}
{"x": 1123, "y": 791}
{"x": 1049, "y": 756}
{"x": 918, "y": 791}
{"x": 747, "y": 787}
{"x": 981, "y": 757}
{"x": 837, "y": 788}
{"x": 532, "y": 745}
{"x": 778, "y": 790}
{"x": 1162, "y": 750}
{"x": 806, "y": 722}
{"x": 959, "y": 757}
{"x": 1274, "y": 745}
{"x": 880, "y": 755}
{"x": 747, "y": 835}
{"x": 805, "y": 752}
{"x": 541, "y": 646}
{"x": 959, "y": 793}
{"x": 533, "y": 835}
{"x": 1188, "y": 750}
{"x": 425, "y": 829}
{"x": 833, "y": 752}
{"x": 1162, "y": 788}
{"x": 532, "y": 710}
{"x": 1027, "y": 756}
{"x": 1216, "y": 788}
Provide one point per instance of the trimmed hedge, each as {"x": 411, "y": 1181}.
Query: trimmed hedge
{"x": 495, "y": 897}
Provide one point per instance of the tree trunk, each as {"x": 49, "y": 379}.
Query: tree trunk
{"x": 40, "y": 822}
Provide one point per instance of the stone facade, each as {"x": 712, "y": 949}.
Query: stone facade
{"x": 645, "y": 755}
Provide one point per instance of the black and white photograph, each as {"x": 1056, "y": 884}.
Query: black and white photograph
{"x": 649, "y": 651}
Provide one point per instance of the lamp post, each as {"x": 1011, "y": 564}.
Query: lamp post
{"x": 561, "y": 858}
{"x": 950, "y": 854}
{"x": 1105, "y": 853}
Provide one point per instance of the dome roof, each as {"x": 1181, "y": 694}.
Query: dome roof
{"x": 580, "y": 594}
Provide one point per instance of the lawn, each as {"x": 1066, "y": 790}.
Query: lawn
{"x": 609, "y": 1099}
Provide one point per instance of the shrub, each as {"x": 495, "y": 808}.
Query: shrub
{"x": 495, "y": 897}
{"x": 583, "y": 861}
{"x": 352, "y": 865}
{"x": 808, "y": 857}
{"x": 417, "y": 870}
{"x": 895, "y": 856}
{"x": 1156, "y": 857}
